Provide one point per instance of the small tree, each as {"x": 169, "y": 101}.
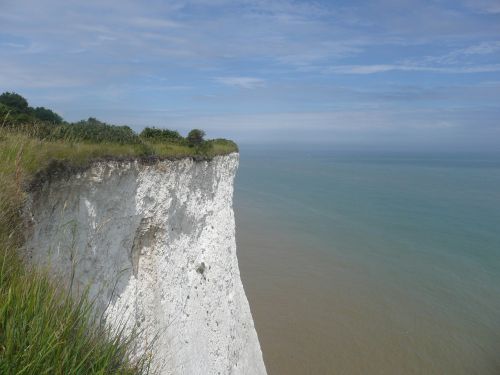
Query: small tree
{"x": 45, "y": 114}
{"x": 195, "y": 137}
{"x": 14, "y": 101}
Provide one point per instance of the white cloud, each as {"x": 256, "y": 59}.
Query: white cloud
{"x": 484, "y": 6}
{"x": 372, "y": 69}
{"x": 147, "y": 22}
{"x": 22, "y": 77}
{"x": 482, "y": 48}
{"x": 242, "y": 82}
{"x": 462, "y": 55}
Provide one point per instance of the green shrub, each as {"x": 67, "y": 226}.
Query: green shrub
{"x": 44, "y": 114}
{"x": 160, "y": 135}
{"x": 95, "y": 131}
{"x": 15, "y": 102}
{"x": 195, "y": 137}
{"x": 14, "y": 110}
{"x": 4, "y": 109}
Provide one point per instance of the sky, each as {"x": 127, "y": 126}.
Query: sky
{"x": 382, "y": 74}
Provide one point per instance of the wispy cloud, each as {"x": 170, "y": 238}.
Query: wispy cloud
{"x": 457, "y": 61}
{"x": 242, "y": 82}
{"x": 148, "y": 22}
{"x": 484, "y": 6}
{"x": 463, "y": 55}
{"x": 372, "y": 69}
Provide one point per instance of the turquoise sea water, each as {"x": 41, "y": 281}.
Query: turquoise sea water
{"x": 371, "y": 263}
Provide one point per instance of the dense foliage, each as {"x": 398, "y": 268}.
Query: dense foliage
{"x": 47, "y": 115}
{"x": 160, "y": 135}
{"x": 95, "y": 131}
{"x": 195, "y": 137}
{"x": 15, "y": 102}
{"x": 14, "y": 109}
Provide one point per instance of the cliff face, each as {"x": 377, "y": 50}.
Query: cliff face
{"x": 155, "y": 245}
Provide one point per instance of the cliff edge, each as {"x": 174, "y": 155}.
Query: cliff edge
{"x": 155, "y": 246}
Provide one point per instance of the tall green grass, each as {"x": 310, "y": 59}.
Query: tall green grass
{"x": 44, "y": 330}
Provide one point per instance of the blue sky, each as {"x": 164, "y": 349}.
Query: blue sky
{"x": 387, "y": 74}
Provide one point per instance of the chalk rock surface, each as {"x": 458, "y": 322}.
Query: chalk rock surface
{"x": 155, "y": 244}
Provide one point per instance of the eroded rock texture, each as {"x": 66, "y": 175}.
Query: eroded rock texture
{"x": 156, "y": 246}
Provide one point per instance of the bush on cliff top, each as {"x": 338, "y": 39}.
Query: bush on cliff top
{"x": 15, "y": 109}
{"x": 93, "y": 130}
{"x": 160, "y": 135}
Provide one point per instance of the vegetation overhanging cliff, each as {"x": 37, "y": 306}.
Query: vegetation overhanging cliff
{"x": 42, "y": 328}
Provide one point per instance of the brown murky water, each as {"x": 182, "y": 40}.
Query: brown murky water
{"x": 318, "y": 313}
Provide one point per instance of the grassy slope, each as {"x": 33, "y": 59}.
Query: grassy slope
{"x": 42, "y": 329}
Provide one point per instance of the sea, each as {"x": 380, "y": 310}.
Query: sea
{"x": 371, "y": 262}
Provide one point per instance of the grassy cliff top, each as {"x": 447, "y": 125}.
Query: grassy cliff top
{"x": 35, "y": 152}
{"x": 43, "y": 131}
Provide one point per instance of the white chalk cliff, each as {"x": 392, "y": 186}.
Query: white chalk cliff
{"x": 155, "y": 243}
